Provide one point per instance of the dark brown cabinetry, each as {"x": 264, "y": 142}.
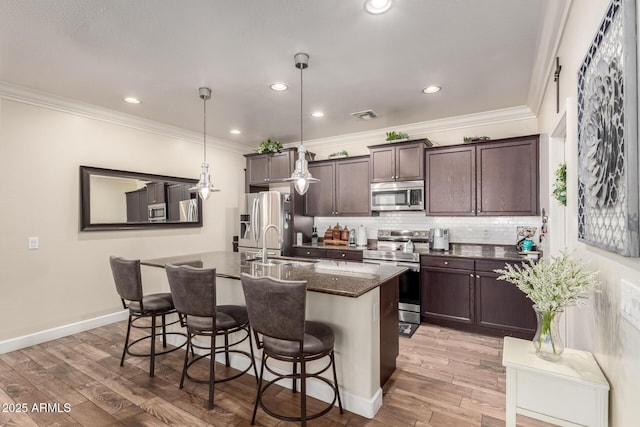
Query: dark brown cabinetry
{"x": 389, "y": 342}
{"x": 175, "y": 194}
{"x": 156, "y": 193}
{"x": 265, "y": 168}
{"x": 402, "y": 161}
{"x": 343, "y": 188}
{"x": 137, "y": 206}
{"x": 336, "y": 254}
{"x": 465, "y": 293}
{"x": 490, "y": 178}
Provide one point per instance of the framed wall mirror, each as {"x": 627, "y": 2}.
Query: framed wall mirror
{"x": 121, "y": 200}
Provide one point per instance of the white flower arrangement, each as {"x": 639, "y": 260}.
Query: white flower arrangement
{"x": 552, "y": 286}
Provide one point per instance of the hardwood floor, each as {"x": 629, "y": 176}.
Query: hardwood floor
{"x": 444, "y": 378}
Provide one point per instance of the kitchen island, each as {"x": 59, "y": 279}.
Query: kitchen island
{"x": 359, "y": 302}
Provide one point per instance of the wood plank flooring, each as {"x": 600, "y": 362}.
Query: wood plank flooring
{"x": 444, "y": 378}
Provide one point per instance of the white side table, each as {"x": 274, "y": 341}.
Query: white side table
{"x": 570, "y": 392}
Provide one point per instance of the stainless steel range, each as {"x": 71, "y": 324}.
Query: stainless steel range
{"x": 397, "y": 247}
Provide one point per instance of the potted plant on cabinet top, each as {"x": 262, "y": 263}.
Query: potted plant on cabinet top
{"x": 394, "y": 136}
{"x": 338, "y": 154}
{"x": 269, "y": 146}
{"x": 551, "y": 286}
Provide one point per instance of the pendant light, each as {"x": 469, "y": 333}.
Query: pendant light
{"x": 204, "y": 187}
{"x": 301, "y": 176}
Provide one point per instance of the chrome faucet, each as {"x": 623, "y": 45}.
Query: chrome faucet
{"x": 264, "y": 240}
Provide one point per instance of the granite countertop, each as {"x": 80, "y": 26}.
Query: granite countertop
{"x": 349, "y": 279}
{"x": 465, "y": 250}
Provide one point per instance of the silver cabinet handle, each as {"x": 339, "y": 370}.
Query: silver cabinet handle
{"x": 477, "y": 276}
{"x": 343, "y": 255}
{"x": 446, "y": 263}
{"x": 471, "y": 275}
{"x": 308, "y": 253}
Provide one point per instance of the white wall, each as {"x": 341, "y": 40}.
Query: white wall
{"x": 68, "y": 279}
{"x": 598, "y": 327}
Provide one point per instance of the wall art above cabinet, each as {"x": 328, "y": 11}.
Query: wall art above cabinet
{"x": 489, "y": 178}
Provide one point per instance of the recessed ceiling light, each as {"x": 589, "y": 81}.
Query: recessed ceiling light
{"x": 317, "y": 114}
{"x": 279, "y": 86}
{"x": 235, "y": 131}
{"x": 431, "y": 89}
{"x": 131, "y": 100}
{"x": 377, "y": 7}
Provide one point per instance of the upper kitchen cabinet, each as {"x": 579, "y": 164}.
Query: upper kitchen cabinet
{"x": 175, "y": 194}
{"x": 401, "y": 161}
{"x": 156, "y": 193}
{"x": 340, "y": 189}
{"x": 491, "y": 179}
{"x": 263, "y": 169}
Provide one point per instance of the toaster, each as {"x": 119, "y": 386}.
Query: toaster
{"x": 439, "y": 239}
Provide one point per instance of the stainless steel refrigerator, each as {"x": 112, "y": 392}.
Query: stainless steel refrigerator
{"x": 258, "y": 210}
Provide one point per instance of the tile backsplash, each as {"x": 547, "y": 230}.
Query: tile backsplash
{"x": 499, "y": 230}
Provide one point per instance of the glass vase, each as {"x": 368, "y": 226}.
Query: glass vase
{"x": 547, "y": 341}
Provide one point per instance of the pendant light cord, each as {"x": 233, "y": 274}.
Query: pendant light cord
{"x": 204, "y": 135}
{"x": 301, "y": 91}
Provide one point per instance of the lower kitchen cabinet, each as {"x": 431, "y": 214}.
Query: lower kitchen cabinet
{"x": 447, "y": 294}
{"x": 335, "y": 254}
{"x": 465, "y": 293}
{"x": 389, "y": 342}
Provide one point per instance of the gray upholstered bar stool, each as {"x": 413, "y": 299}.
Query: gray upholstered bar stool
{"x": 277, "y": 312}
{"x": 128, "y": 280}
{"x": 194, "y": 295}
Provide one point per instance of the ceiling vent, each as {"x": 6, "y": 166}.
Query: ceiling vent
{"x": 365, "y": 115}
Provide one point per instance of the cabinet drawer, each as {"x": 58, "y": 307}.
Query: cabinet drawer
{"x": 490, "y": 265}
{"x": 309, "y": 252}
{"x": 444, "y": 262}
{"x": 346, "y": 255}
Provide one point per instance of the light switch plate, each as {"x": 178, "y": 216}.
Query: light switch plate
{"x": 630, "y": 302}
{"x": 33, "y": 243}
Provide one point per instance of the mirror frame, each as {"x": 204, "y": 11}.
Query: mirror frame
{"x": 85, "y": 200}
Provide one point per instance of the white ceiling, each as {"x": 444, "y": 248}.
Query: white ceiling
{"x": 481, "y": 52}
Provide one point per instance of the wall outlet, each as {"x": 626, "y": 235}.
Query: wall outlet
{"x": 630, "y": 302}
{"x": 33, "y": 243}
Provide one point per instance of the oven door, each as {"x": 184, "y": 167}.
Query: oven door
{"x": 409, "y": 290}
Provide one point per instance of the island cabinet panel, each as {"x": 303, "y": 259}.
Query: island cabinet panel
{"x": 501, "y": 305}
{"x": 398, "y": 162}
{"x": 488, "y": 178}
{"x": 447, "y": 294}
{"x": 343, "y": 188}
{"x": 451, "y": 182}
{"x": 389, "y": 342}
{"x": 507, "y": 181}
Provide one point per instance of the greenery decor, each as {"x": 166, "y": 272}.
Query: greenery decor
{"x": 393, "y": 135}
{"x": 551, "y": 286}
{"x": 475, "y": 138}
{"x": 342, "y": 153}
{"x": 269, "y": 146}
{"x": 560, "y": 186}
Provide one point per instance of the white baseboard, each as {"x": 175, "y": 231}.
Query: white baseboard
{"x": 17, "y": 343}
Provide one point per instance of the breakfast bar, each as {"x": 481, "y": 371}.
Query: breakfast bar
{"x": 359, "y": 302}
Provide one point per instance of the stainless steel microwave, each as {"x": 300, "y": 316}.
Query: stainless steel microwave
{"x": 158, "y": 212}
{"x": 397, "y": 196}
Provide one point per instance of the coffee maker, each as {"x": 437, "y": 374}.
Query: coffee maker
{"x": 439, "y": 239}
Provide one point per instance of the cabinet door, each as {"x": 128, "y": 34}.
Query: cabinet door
{"x": 447, "y": 295}
{"x": 280, "y": 166}
{"x": 309, "y": 252}
{"x": 410, "y": 162}
{"x": 258, "y": 169}
{"x": 383, "y": 164}
{"x": 501, "y": 305}
{"x": 352, "y": 188}
{"x": 508, "y": 177}
{"x": 389, "y": 341}
{"x": 156, "y": 193}
{"x": 450, "y": 181}
{"x": 346, "y": 255}
{"x": 175, "y": 194}
{"x": 133, "y": 206}
{"x": 321, "y": 195}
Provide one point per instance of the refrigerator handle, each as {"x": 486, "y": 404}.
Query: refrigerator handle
{"x": 254, "y": 220}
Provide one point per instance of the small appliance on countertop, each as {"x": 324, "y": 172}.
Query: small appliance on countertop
{"x": 439, "y": 239}
{"x": 361, "y": 240}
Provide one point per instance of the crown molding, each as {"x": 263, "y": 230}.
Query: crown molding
{"x": 555, "y": 15}
{"x": 40, "y": 99}
{"x": 423, "y": 129}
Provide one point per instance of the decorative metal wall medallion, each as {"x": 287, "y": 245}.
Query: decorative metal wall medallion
{"x": 608, "y": 135}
